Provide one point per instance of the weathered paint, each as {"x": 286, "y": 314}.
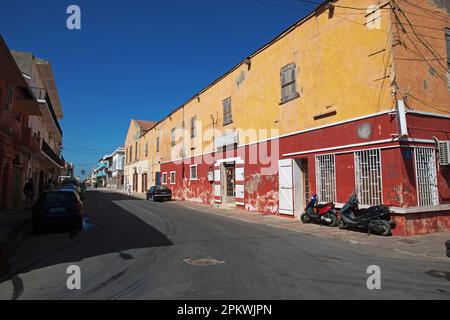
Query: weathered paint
{"x": 346, "y": 67}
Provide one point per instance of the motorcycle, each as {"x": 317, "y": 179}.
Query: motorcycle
{"x": 320, "y": 213}
{"x": 375, "y": 218}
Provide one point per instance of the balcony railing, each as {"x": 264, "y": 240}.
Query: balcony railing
{"x": 51, "y": 154}
{"x": 8, "y": 123}
{"x": 41, "y": 94}
{"x": 29, "y": 141}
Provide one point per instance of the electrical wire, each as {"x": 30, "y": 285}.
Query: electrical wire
{"x": 429, "y": 104}
{"x": 424, "y": 42}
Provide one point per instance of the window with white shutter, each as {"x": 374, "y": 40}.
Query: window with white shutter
{"x": 227, "y": 117}
{"x": 288, "y": 76}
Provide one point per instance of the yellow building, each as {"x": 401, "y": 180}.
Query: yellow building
{"x": 326, "y": 107}
{"x": 138, "y": 167}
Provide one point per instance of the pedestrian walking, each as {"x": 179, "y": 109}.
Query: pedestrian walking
{"x": 129, "y": 189}
{"x": 28, "y": 191}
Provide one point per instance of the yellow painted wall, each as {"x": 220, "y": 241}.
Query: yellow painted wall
{"x": 341, "y": 65}
{"x": 420, "y": 76}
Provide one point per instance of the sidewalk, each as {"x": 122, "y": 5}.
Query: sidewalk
{"x": 14, "y": 224}
{"x": 430, "y": 245}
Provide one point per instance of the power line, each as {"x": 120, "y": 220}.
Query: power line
{"x": 424, "y": 42}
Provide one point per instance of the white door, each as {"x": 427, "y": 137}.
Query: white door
{"x": 286, "y": 196}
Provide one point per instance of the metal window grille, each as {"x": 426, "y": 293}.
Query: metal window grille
{"x": 426, "y": 177}
{"x": 326, "y": 177}
{"x": 368, "y": 176}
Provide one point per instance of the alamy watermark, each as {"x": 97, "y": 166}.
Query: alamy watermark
{"x": 74, "y": 280}
{"x": 374, "y": 280}
{"x": 73, "y": 21}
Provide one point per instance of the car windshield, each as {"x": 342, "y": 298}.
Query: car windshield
{"x": 50, "y": 197}
{"x": 162, "y": 188}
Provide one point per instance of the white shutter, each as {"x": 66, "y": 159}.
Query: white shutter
{"x": 286, "y": 195}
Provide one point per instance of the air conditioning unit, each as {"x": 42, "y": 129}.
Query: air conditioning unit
{"x": 444, "y": 153}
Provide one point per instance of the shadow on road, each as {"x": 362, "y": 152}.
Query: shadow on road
{"x": 108, "y": 229}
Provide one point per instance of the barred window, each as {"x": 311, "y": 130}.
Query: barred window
{"x": 368, "y": 177}
{"x": 326, "y": 177}
{"x": 426, "y": 177}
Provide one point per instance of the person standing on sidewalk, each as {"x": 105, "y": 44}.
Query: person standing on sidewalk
{"x": 129, "y": 189}
{"x": 28, "y": 191}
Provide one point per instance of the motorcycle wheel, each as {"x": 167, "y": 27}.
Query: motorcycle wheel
{"x": 387, "y": 229}
{"x": 334, "y": 221}
{"x": 341, "y": 224}
{"x": 305, "y": 218}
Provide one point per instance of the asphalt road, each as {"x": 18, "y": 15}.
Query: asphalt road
{"x": 136, "y": 249}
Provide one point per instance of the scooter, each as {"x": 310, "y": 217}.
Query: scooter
{"x": 374, "y": 219}
{"x": 320, "y": 213}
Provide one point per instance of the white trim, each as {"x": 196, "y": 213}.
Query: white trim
{"x": 240, "y": 203}
{"x": 170, "y": 175}
{"x": 294, "y": 133}
{"x": 190, "y": 172}
{"x": 432, "y": 114}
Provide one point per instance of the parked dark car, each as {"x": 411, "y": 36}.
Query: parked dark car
{"x": 159, "y": 193}
{"x": 58, "y": 208}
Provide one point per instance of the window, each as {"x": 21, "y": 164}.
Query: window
{"x": 227, "y": 118}
{"x": 172, "y": 177}
{"x": 326, "y": 177}
{"x": 146, "y": 149}
{"x": 368, "y": 176}
{"x": 136, "y": 152}
{"x": 164, "y": 178}
{"x": 157, "y": 144}
{"x": 193, "y": 172}
{"x": 10, "y": 98}
{"x": 172, "y": 137}
{"x": 427, "y": 192}
{"x": 193, "y": 127}
{"x": 288, "y": 83}
{"x": 131, "y": 153}
{"x": 126, "y": 155}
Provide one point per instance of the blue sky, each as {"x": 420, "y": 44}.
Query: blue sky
{"x": 137, "y": 58}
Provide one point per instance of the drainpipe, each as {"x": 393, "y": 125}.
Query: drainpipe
{"x": 401, "y": 114}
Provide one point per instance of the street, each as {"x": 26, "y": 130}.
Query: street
{"x": 137, "y": 249}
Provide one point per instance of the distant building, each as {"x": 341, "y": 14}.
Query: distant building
{"x": 117, "y": 169}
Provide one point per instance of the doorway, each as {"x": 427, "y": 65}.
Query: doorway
{"x": 228, "y": 182}
{"x": 301, "y": 185}
{"x": 135, "y": 182}
{"x": 144, "y": 182}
